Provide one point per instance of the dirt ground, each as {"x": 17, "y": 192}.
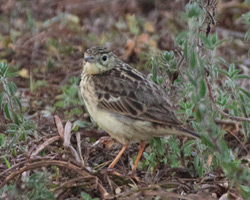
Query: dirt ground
{"x": 44, "y": 41}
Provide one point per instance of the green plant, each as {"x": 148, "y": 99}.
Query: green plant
{"x": 202, "y": 101}
{"x": 86, "y": 196}
{"x": 9, "y": 102}
{"x": 18, "y": 126}
{"x": 247, "y": 21}
{"x": 37, "y": 84}
{"x": 70, "y": 98}
{"x": 36, "y": 187}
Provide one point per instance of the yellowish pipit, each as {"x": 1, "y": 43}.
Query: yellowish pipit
{"x": 125, "y": 103}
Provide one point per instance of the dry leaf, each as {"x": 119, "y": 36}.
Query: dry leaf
{"x": 130, "y": 45}
{"x": 59, "y": 126}
{"x": 209, "y": 160}
{"x": 149, "y": 27}
{"x": 24, "y": 73}
{"x": 67, "y": 133}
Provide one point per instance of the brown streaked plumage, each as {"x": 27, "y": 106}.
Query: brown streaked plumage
{"x": 125, "y": 103}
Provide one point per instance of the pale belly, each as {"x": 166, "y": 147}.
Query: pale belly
{"x": 124, "y": 129}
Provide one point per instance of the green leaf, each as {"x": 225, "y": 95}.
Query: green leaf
{"x": 2, "y": 138}
{"x": 192, "y": 80}
{"x": 7, "y": 162}
{"x": 203, "y": 88}
{"x": 13, "y": 152}
{"x": 193, "y": 10}
{"x": 181, "y": 38}
{"x": 198, "y": 114}
{"x": 207, "y": 142}
{"x": 80, "y": 123}
{"x": 247, "y": 35}
{"x": 182, "y": 104}
{"x": 201, "y": 63}
{"x": 30, "y": 20}
{"x": 75, "y": 111}
{"x": 227, "y": 154}
{"x": 59, "y": 104}
{"x": 242, "y": 98}
{"x": 133, "y": 24}
{"x": 159, "y": 146}
{"x": 10, "y": 74}
{"x": 234, "y": 73}
{"x": 154, "y": 70}
{"x": 196, "y": 162}
{"x": 185, "y": 50}
{"x": 245, "y": 92}
{"x": 200, "y": 171}
{"x": 214, "y": 39}
{"x": 18, "y": 103}
{"x": 85, "y": 196}
{"x": 188, "y": 143}
{"x": 152, "y": 157}
{"x": 244, "y": 110}
{"x": 222, "y": 60}
{"x": 206, "y": 41}
{"x": 168, "y": 55}
{"x": 3, "y": 69}
{"x": 246, "y": 17}
{"x": 1, "y": 99}
{"x": 16, "y": 120}
{"x": 50, "y": 63}
{"x": 193, "y": 59}
{"x": 219, "y": 43}
{"x": 241, "y": 76}
{"x": 151, "y": 142}
{"x": 224, "y": 73}
{"x": 71, "y": 91}
{"x": 231, "y": 106}
{"x": 245, "y": 191}
{"x": 12, "y": 88}
{"x": 6, "y": 111}
{"x": 146, "y": 156}
{"x": 22, "y": 137}
{"x": 160, "y": 80}
{"x": 40, "y": 83}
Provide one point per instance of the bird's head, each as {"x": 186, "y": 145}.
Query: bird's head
{"x": 98, "y": 60}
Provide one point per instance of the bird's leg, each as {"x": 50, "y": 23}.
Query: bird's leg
{"x": 142, "y": 147}
{"x": 111, "y": 166}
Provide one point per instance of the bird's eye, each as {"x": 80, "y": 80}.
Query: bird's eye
{"x": 104, "y": 58}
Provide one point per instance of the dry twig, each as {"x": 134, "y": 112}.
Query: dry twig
{"x": 58, "y": 163}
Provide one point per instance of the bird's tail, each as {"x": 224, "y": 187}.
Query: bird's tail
{"x": 191, "y": 133}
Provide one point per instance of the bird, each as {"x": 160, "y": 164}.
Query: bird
{"x": 125, "y": 103}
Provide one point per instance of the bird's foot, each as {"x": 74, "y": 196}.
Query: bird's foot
{"x": 113, "y": 172}
{"x": 130, "y": 175}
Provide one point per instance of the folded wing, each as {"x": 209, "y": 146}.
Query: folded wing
{"x": 130, "y": 93}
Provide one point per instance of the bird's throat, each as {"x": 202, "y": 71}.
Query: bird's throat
{"x": 94, "y": 68}
{"x": 91, "y": 68}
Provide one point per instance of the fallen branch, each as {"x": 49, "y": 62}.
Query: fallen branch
{"x": 57, "y": 163}
{"x": 45, "y": 144}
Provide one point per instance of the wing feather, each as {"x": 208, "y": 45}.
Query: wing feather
{"x": 138, "y": 98}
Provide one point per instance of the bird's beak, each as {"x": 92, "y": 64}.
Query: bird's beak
{"x": 89, "y": 59}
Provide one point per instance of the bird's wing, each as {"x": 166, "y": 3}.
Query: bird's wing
{"x": 128, "y": 92}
